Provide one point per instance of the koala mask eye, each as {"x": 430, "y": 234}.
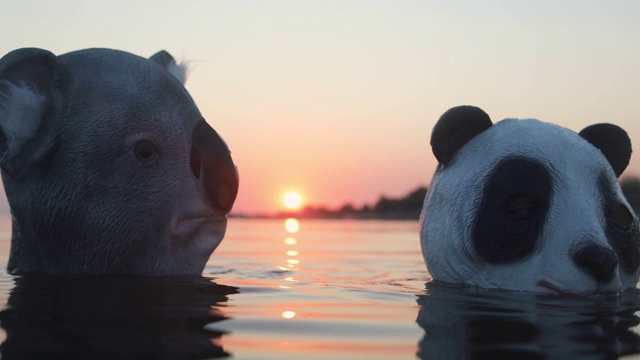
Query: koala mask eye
{"x": 145, "y": 150}
{"x": 520, "y": 206}
{"x": 622, "y": 217}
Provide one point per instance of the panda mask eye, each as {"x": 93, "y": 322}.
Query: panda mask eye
{"x": 622, "y": 217}
{"x": 520, "y": 206}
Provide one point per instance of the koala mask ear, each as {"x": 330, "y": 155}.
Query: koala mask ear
{"x": 28, "y": 96}
{"x": 164, "y": 59}
{"x": 613, "y": 142}
{"x": 455, "y": 128}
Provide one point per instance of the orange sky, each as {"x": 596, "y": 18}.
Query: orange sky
{"x": 336, "y": 99}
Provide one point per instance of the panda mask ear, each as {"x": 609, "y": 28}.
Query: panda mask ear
{"x": 613, "y": 142}
{"x": 28, "y": 97}
{"x": 455, "y": 128}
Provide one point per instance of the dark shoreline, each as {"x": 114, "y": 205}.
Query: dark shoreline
{"x": 405, "y": 208}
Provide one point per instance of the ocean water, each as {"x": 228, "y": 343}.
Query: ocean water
{"x": 308, "y": 289}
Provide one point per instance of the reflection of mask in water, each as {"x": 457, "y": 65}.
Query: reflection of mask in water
{"x": 527, "y": 205}
{"x": 113, "y": 317}
{"x": 472, "y": 323}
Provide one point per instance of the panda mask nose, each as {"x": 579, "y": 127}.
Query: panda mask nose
{"x": 596, "y": 261}
{"x": 212, "y": 165}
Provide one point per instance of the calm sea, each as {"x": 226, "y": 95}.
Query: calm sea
{"x": 312, "y": 289}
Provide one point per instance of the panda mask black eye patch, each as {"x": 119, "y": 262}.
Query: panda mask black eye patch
{"x": 512, "y": 211}
{"x": 622, "y": 229}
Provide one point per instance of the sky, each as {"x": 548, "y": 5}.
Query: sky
{"x": 336, "y": 99}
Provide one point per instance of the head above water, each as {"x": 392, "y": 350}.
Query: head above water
{"x": 108, "y": 165}
{"x": 527, "y": 205}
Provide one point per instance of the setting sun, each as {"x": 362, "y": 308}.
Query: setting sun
{"x": 292, "y": 200}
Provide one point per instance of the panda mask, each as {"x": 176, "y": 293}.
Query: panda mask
{"x": 527, "y": 205}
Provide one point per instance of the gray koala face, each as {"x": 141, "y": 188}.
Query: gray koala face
{"x": 109, "y": 166}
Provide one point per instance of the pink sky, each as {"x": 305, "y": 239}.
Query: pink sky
{"x": 336, "y": 99}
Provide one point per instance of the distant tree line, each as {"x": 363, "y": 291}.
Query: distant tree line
{"x": 405, "y": 208}
{"x": 410, "y": 206}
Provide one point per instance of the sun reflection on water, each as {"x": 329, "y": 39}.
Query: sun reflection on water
{"x": 292, "y": 225}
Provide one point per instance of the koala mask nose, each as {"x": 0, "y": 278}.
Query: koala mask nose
{"x": 597, "y": 261}
{"x": 212, "y": 165}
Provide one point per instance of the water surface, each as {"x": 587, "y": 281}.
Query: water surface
{"x": 338, "y": 289}
{"x": 324, "y": 289}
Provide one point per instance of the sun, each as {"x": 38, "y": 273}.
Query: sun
{"x": 292, "y": 200}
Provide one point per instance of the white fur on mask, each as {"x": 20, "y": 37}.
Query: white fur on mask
{"x": 20, "y": 103}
